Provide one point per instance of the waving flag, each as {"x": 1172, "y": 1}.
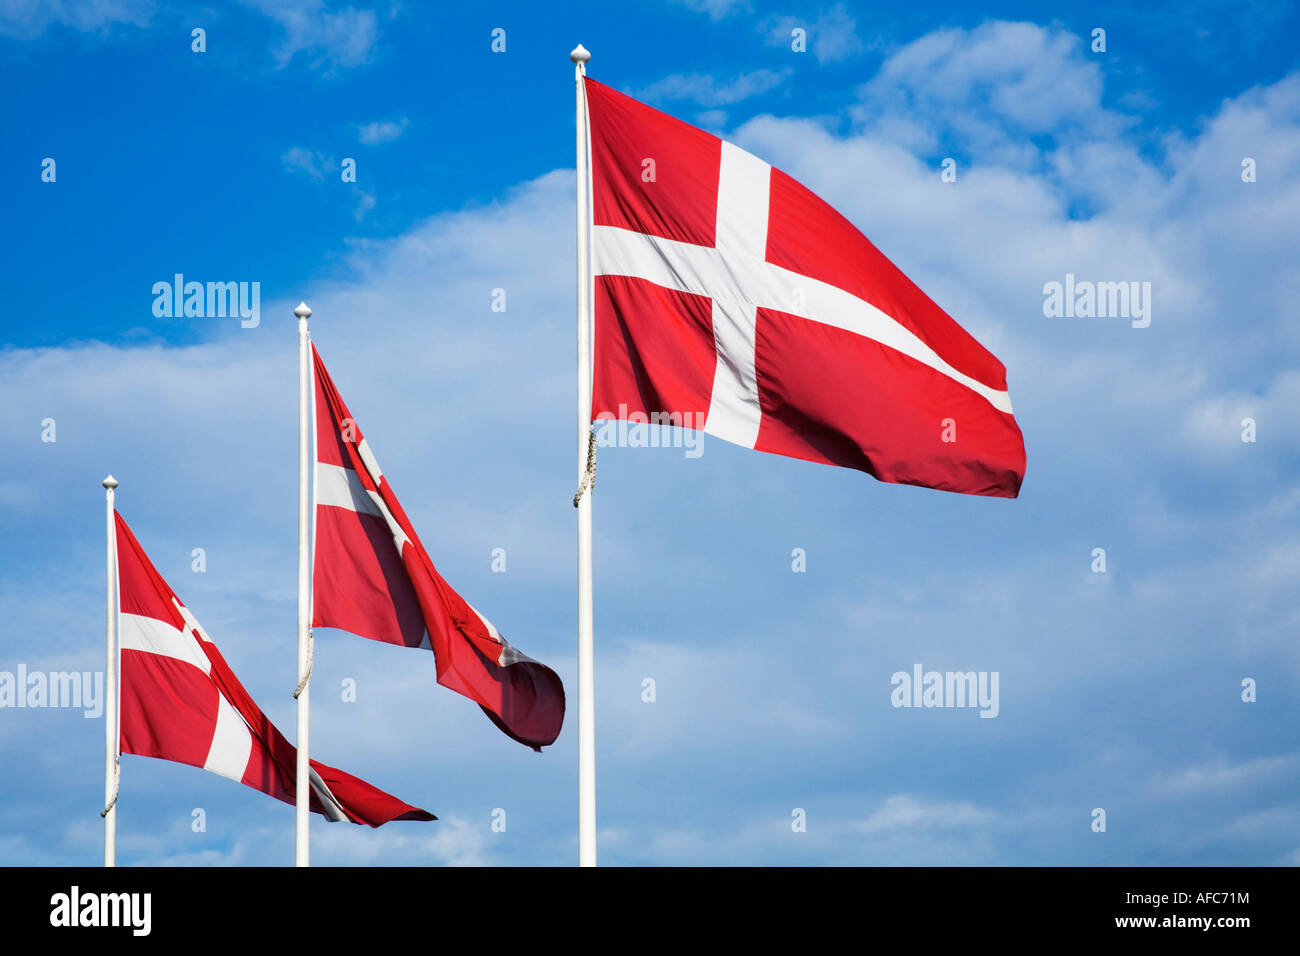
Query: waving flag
{"x": 372, "y": 577}
{"x": 727, "y": 292}
{"x": 181, "y": 701}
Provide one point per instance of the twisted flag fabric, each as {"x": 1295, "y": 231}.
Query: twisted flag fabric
{"x": 181, "y": 701}
{"x": 728, "y": 293}
{"x": 372, "y": 577}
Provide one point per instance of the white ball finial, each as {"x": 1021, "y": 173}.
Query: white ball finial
{"x": 580, "y": 54}
{"x": 303, "y": 312}
{"x": 109, "y": 482}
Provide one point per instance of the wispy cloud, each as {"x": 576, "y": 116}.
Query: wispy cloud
{"x": 365, "y": 203}
{"x": 716, "y": 9}
{"x": 707, "y": 90}
{"x": 309, "y": 162}
{"x": 831, "y": 36}
{"x": 1220, "y": 776}
{"x": 330, "y": 36}
{"x": 319, "y": 167}
{"x": 343, "y": 37}
{"x": 28, "y": 19}
{"x": 906, "y": 813}
{"x": 381, "y": 131}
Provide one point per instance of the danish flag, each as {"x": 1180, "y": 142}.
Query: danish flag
{"x": 373, "y": 577}
{"x": 181, "y": 701}
{"x": 727, "y": 292}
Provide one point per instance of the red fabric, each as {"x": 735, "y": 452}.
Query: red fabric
{"x": 883, "y": 416}
{"x": 360, "y": 582}
{"x": 169, "y": 706}
{"x": 656, "y": 348}
{"x": 525, "y": 699}
{"x": 681, "y": 202}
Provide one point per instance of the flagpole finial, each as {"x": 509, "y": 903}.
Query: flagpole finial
{"x": 580, "y": 54}
{"x": 303, "y": 311}
{"x": 109, "y": 482}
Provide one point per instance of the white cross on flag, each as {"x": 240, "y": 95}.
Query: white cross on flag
{"x": 181, "y": 701}
{"x": 728, "y": 293}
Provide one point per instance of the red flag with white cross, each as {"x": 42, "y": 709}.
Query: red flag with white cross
{"x": 374, "y": 578}
{"x": 728, "y": 293}
{"x": 181, "y": 701}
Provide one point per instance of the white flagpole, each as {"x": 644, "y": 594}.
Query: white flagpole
{"x": 110, "y": 685}
{"x": 586, "y": 646}
{"x": 301, "y": 843}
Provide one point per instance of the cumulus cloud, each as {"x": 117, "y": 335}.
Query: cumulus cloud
{"x": 988, "y": 91}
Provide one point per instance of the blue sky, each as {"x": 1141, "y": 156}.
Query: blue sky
{"x": 1119, "y": 690}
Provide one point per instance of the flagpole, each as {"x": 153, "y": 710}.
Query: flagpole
{"x": 303, "y": 793}
{"x": 110, "y": 682}
{"x": 586, "y": 644}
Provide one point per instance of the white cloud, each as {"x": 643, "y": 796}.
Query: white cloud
{"x": 318, "y": 167}
{"x": 716, "y": 9}
{"x": 1219, "y": 776}
{"x": 707, "y": 90}
{"x": 329, "y": 35}
{"x": 712, "y": 120}
{"x": 28, "y": 19}
{"x": 343, "y": 37}
{"x": 905, "y": 829}
{"x": 988, "y": 89}
{"x": 381, "y": 131}
{"x": 1215, "y": 423}
{"x": 365, "y": 203}
{"x": 904, "y": 813}
{"x": 832, "y": 36}
{"x": 450, "y": 841}
{"x": 315, "y": 165}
